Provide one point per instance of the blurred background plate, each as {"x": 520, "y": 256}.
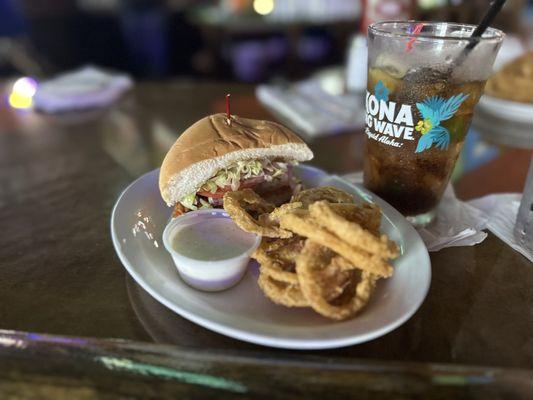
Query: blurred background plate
{"x": 243, "y": 312}
{"x": 508, "y": 110}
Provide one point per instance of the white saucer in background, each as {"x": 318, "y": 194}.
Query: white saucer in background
{"x": 512, "y": 111}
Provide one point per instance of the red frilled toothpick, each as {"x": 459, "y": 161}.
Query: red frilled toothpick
{"x": 417, "y": 29}
{"x": 228, "y": 109}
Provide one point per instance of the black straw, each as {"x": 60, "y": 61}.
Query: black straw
{"x": 493, "y": 10}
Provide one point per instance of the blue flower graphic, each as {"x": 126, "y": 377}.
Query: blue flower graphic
{"x": 381, "y": 92}
{"x": 434, "y": 110}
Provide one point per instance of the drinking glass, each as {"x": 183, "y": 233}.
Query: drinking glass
{"x": 424, "y": 80}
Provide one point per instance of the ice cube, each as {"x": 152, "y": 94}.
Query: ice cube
{"x": 390, "y": 65}
{"x": 376, "y": 75}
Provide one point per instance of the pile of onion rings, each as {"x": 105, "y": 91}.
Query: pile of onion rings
{"x": 321, "y": 250}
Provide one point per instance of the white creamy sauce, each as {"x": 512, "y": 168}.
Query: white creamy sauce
{"x": 212, "y": 239}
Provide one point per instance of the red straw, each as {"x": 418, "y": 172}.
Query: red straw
{"x": 228, "y": 112}
{"x": 416, "y": 31}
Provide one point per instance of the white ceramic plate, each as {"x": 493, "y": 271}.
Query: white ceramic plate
{"x": 507, "y": 110}
{"x": 243, "y": 312}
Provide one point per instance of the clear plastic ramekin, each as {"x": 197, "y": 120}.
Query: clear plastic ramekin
{"x": 209, "y": 276}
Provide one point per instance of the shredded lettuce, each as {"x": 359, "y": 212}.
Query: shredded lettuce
{"x": 188, "y": 201}
{"x": 205, "y": 204}
{"x": 232, "y": 176}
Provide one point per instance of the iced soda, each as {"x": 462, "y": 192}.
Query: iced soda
{"x": 418, "y": 112}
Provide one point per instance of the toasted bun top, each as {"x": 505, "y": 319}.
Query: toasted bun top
{"x": 211, "y": 144}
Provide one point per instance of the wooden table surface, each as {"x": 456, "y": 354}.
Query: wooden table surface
{"x": 59, "y": 274}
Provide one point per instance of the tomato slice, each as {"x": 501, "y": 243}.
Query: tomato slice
{"x": 217, "y": 195}
{"x": 247, "y": 183}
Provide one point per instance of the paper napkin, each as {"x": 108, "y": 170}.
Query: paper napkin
{"x": 312, "y": 110}
{"x": 88, "y": 87}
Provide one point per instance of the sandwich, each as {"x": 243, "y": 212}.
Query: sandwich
{"x": 218, "y": 154}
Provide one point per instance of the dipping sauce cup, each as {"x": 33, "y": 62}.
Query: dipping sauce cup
{"x": 209, "y": 250}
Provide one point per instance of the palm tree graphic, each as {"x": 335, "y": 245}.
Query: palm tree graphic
{"x": 434, "y": 110}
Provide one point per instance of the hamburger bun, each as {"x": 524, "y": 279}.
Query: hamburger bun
{"x": 211, "y": 144}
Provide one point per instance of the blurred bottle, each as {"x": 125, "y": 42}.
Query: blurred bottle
{"x": 382, "y": 10}
{"x": 356, "y": 68}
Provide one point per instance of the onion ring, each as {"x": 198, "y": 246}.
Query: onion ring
{"x": 282, "y": 293}
{"x": 327, "y": 217}
{"x": 302, "y": 223}
{"x": 320, "y": 277}
{"x": 367, "y": 215}
{"x": 245, "y": 208}
{"x": 278, "y": 258}
{"x": 329, "y": 193}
